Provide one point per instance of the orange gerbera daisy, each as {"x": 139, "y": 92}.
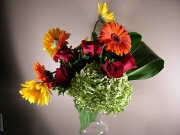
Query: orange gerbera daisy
{"x": 42, "y": 74}
{"x": 115, "y": 38}
{"x": 54, "y": 39}
{"x": 62, "y": 41}
{"x": 40, "y": 71}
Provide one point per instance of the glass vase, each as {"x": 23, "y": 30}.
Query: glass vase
{"x": 97, "y": 127}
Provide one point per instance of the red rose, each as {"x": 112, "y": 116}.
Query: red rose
{"x": 92, "y": 47}
{"x": 62, "y": 76}
{"x": 128, "y": 62}
{"x": 65, "y": 54}
{"x": 113, "y": 69}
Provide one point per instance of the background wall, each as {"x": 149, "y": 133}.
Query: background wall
{"x": 155, "y": 105}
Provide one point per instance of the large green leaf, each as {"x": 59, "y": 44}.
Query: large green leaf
{"x": 86, "y": 117}
{"x": 135, "y": 40}
{"x": 148, "y": 63}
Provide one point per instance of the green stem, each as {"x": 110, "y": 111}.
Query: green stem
{"x": 95, "y": 25}
{"x": 53, "y": 72}
{"x": 94, "y": 29}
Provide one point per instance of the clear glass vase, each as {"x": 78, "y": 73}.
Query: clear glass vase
{"x": 97, "y": 127}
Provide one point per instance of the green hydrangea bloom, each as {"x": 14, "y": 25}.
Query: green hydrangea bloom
{"x": 93, "y": 90}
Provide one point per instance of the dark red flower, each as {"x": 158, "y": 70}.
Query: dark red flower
{"x": 92, "y": 47}
{"x": 128, "y": 62}
{"x": 62, "y": 76}
{"x": 65, "y": 54}
{"x": 113, "y": 69}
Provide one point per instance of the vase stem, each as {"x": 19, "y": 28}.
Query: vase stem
{"x": 98, "y": 117}
{"x": 97, "y": 127}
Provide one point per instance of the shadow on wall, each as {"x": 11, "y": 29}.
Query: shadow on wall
{"x": 18, "y": 115}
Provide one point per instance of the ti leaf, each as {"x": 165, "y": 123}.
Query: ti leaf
{"x": 86, "y": 117}
{"x": 135, "y": 40}
{"x": 148, "y": 63}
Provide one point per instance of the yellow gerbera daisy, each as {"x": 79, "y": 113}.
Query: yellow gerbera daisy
{"x": 52, "y": 39}
{"x": 104, "y": 15}
{"x": 35, "y": 92}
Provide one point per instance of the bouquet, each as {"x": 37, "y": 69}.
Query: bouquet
{"x": 96, "y": 73}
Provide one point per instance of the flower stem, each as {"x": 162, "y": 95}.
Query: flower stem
{"x": 93, "y": 33}
{"x": 53, "y": 72}
{"x": 95, "y": 25}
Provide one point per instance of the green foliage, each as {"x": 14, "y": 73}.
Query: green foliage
{"x": 93, "y": 90}
{"x": 94, "y": 36}
{"x": 86, "y": 117}
{"x": 61, "y": 90}
{"x": 135, "y": 40}
{"x": 148, "y": 63}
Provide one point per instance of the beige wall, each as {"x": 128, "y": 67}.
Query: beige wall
{"x": 155, "y": 105}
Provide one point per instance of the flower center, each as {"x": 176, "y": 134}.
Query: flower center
{"x": 54, "y": 43}
{"x": 115, "y": 38}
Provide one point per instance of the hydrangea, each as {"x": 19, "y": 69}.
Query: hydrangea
{"x": 92, "y": 90}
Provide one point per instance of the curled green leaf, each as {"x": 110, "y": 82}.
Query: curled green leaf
{"x": 135, "y": 40}
{"x": 149, "y": 64}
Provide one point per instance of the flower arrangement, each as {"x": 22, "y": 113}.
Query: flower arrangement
{"x": 97, "y": 72}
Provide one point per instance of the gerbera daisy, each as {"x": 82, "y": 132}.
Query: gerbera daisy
{"x": 53, "y": 40}
{"x": 43, "y": 75}
{"x": 115, "y": 38}
{"x": 104, "y": 15}
{"x": 63, "y": 37}
{"x": 35, "y": 92}
{"x": 40, "y": 71}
